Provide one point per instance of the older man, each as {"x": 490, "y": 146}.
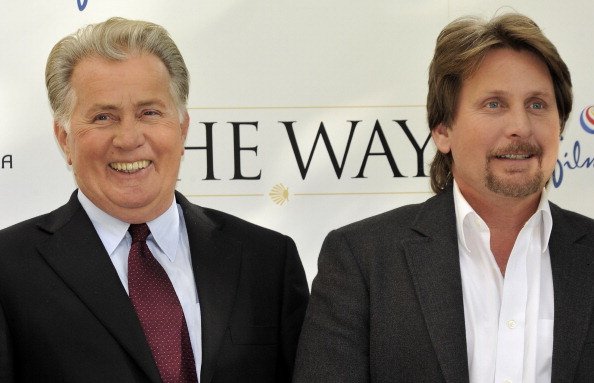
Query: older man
{"x": 130, "y": 282}
{"x": 487, "y": 281}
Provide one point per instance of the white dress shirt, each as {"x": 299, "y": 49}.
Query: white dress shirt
{"x": 168, "y": 241}
{"x": 509, "y": 321}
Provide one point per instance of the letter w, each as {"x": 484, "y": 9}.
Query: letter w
{"x": 321, "y": 133}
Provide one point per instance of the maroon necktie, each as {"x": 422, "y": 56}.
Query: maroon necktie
{"x": 159, "y": 311}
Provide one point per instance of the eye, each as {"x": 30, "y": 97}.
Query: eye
{"x": 537, "y": 105}
{"x": 102, "y": 117}
{"x": 494, "y": 104}
{"x": 151, "y": 113}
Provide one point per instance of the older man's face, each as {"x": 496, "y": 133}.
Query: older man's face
{"x": 126, "y": 138}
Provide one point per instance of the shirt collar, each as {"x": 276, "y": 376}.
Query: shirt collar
{"x": 465, "y": 213}
{"x": 547, "y": 219}
{"x": 164, "y": 229}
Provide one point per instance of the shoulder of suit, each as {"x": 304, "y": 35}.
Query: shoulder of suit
{"x": 572, "y": 224}
{"x": 570, "y": 215}
{"x": 402, "y": 219}
{"x": 42, "y": 224}
{"x": 228, "y": 223}
{"x": 23, "y": 228}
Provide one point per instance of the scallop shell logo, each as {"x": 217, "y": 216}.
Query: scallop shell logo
{"x": 279, "y": 194}
{"x": 587, "y": 119}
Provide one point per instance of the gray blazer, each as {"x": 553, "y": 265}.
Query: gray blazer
{"x": 65, "y": 316}
{"x": 386, "y": 305}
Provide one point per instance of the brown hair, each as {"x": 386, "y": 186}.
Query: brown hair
{"x": 113, "y": 39}
{"x": 459, "y": 50}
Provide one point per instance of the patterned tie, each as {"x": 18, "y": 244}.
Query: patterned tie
{"x": 159, "y": 311}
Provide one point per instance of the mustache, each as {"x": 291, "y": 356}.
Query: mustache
{"x": 517, "y": 148}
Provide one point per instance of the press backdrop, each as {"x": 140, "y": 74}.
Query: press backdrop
{"x": 305, "y": 115}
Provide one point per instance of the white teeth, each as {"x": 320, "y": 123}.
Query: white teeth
{"x": 515, "y": 156}
{"x": 129, "y": 167}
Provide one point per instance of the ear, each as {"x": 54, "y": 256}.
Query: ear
{"x": 185, "y": 123}
{"x": 441, "y": 137}
{"x": 62, "y": 138}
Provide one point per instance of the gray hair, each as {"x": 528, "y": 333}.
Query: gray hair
{"x": 114, "y": 39}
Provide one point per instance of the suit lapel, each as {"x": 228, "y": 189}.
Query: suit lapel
{"x": 574, "y": 294}
{"x": 435, "y": 269}
{"x": 75, "y": 252}
{"x": 216, "y": 261}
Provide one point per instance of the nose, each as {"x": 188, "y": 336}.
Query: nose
{"x": 128, "y": 134}
{"x": 519, "y": 124}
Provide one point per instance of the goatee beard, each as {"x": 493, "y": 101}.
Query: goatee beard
{"x": 512, "y": 189}
{"x": 515, "y": 189}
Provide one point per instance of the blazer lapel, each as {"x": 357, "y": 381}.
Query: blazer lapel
{"x": 574, "y": 294}
{"x": 216, "y": 261}
{"x": 435, "y": 269}
{"x": 75, "y": 252}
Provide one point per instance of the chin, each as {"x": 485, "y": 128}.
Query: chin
{"x": 133, "y": 204}
{"x": 516, "y": 189}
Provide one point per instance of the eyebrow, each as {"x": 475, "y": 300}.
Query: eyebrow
{"x": 541, "y": 93}
{"x": 103, "y": 107}
{"x": 536, "y": 93}
{"x": 150, "y": 102}
{"x": 114, "y": 107}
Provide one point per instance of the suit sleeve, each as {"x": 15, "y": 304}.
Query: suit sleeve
{"x": 6, "y": 358}
{"x": 334, "y": 343}
{"x": 294, "y": 303}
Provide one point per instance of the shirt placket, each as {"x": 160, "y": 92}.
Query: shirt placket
{"x": 512, "y": 316}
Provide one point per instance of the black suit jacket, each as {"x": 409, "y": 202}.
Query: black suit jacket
{"x": 65, "y": 316}
{"x": 386, "y": 305}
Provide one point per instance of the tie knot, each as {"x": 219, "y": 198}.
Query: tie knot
{"x": 139, "y": 232}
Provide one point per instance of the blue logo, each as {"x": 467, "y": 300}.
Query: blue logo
{"x": 82, "y": 4}
{"x": 575, "y": 158}
{"x": 587, "y": 119}
{"x": 571, "y": 162}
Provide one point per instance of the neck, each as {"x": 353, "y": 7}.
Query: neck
{"x": 506, "y": 213}
{"x": 505, "y": 217}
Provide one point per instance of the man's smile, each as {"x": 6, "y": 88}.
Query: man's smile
{"x": 130, "y": 167}
{"x": 515, "y": 156}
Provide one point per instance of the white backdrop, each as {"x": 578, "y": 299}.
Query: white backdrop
{"x": 261, "y": 70}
